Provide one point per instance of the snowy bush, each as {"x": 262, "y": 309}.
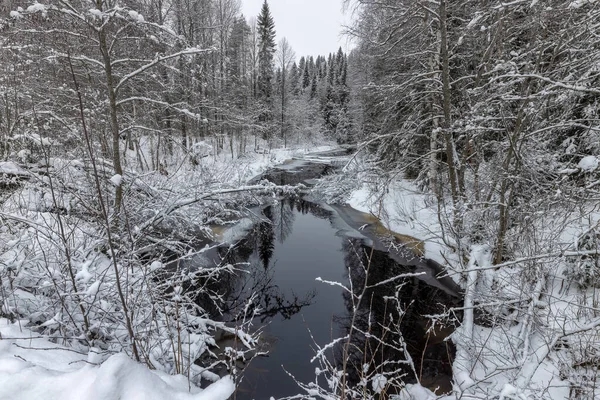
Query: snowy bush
{"x": 336, "y": 189}
{"x": 584, "y": 269}
{"x": 199, "y": 151}
{"x": 91, "y": 282}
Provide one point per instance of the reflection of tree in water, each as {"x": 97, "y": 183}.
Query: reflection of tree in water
{"x": 266, "y": 238}
{"x": 270, "y": 300}
{"x": 307, "y": 207}
{"x": 256, "y": 277}
{"x": 283, "y": 217}
{"x": 391, "y": 316}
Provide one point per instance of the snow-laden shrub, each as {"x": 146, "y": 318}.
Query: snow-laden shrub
{"x": 65, "y": 278}
{"x": 199, "y": 151}
{"x": 584, "y": 269}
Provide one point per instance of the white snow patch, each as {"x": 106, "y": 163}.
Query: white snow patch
{"x": 588, "y": 163}
{"x": 36, "y": 7}
{"x": 10, "y": 168}
{"x": 236, "y": 232}
{"x": 134, "y": 15}
{"x": 580, "y": 3}
{"x": 116, "y": 180}
{"x": 92, "y": 291}
{"x": 378, "y": 383}
{"x": 39, "y": 369}
{"x": 416, "y": 392}
{"x": 96, "y": 13}
{"x": 406, "y": 210}
{"x": 475, "y": 20}
{"x": 156, "y": 265}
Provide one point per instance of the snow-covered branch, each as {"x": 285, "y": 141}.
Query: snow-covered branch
{"x": 158, "y": 60}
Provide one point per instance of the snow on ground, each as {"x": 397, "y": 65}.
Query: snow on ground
{"x": 533, "y": 368}
{"x": 34, "y": 368}
{"x": 203, "y": 160}
{"x": 254, "y": 164}
{"x": 10, "y": 168}
{"x": 407, "y": 211}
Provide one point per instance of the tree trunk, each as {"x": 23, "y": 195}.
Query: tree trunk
{"x": 114, "y": 122}
{"x": 446, "y": 122}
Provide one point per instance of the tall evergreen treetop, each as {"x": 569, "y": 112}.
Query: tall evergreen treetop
{"x": 301, "y": 63}
{"x": 266, "y": 51}
{"x": 331, "y": 74}
{"x": 306, "y": 77}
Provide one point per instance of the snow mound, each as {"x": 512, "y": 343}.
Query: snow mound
{"x": 416, "y": 392}
{"x": 36, "y": 7}
{"x": 116, "y": 180}
{"x": 134, "y": 15}
{"x": 10, "y": 168}
{"x": 588, "y": 163}
{"x": 33, "y": 368}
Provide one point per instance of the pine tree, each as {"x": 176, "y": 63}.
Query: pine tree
{"x": 313, "y": 87}
{"x": 331, "y": 73}
{"x": 266, "y": 52}
{"x": 339, "y": 65}
{"x": 295, "y": 79}
{"x": 306, "y": 76}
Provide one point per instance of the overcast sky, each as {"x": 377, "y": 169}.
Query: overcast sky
{"x": 311, "y": 26}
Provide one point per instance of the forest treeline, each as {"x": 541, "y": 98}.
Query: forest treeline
{"x": 174, "y": 72}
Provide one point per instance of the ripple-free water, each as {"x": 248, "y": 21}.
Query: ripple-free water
{"x": 286, "y": 254}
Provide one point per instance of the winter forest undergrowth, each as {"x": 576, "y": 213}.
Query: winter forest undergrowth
{"x": 132, "y": 134}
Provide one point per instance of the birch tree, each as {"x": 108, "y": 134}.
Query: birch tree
{"x": 285, "y": 59}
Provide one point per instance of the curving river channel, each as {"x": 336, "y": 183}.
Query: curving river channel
{"x": 297, "y": 242}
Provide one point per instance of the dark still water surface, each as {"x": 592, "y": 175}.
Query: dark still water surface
{"x": 285, "y": 254}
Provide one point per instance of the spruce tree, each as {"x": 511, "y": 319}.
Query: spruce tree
{"x": 266, "y": 52}
{"x": 306, "y": 76}
{"x": 301, "y": 65}
{"x": 313, "y": 87}
{"x": 295, "y": 79}
{"x": 237, "y": 54}
{"x": 344, "y": 74}
{"x": 331, "y": 73}
{"x": 339, "y": 61}
{"x": 323, "y": 68}
{"x": 311, "y": 65}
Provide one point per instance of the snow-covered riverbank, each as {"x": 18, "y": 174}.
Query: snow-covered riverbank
{"x": 62, "y": 281}
{"x": 552, "y": 325}
{"x": 404, "y": 209}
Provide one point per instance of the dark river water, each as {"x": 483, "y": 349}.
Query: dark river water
{"x": 298, "y": 242}
{"x": 287, "y": 257}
